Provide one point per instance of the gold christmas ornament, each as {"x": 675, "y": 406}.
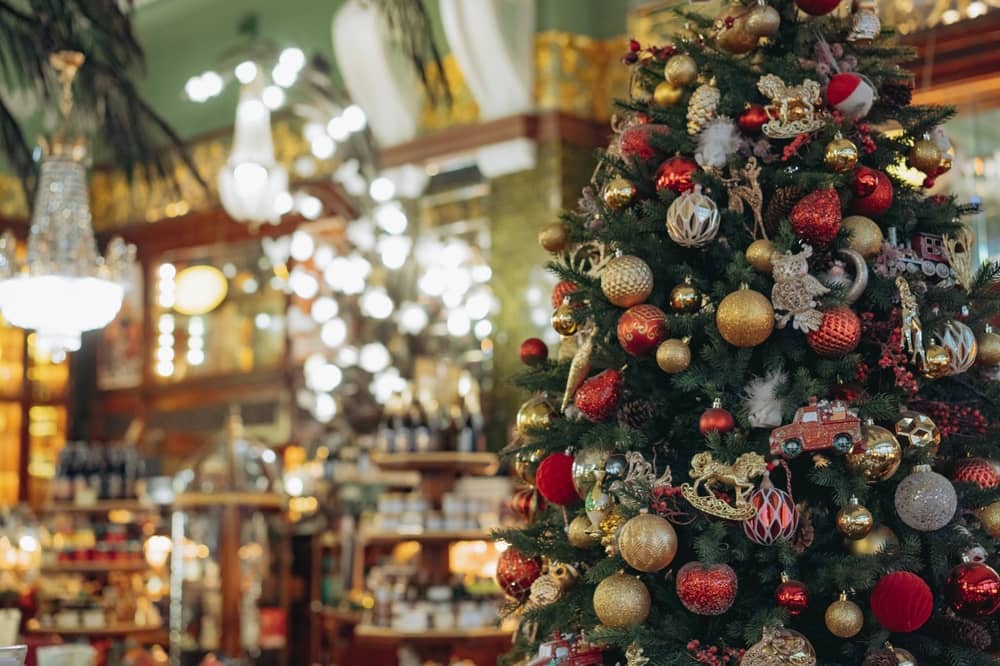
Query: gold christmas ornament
{"x": 743, "y": 186}
{"x": 579, "y": 368}
{"x": 877, "y": 457}
{"x": 702, "y": 107}
{"x": 762, "y": 20}
{"x": 673, "y": 356}
{"x": 855, "y": 521}
{"x": 745, "y": 318}
{"x": 647, "y": 543}
{"x": 912, "y": 329}
{"x": 666, "y": 94}
{"x": 627, "y": 281}
{"x": 553, "y": 237}
{"x": 536, "y": 413}
{"x": 685, "y": 297}
{"x": 609, "y": 527}
{"x": 634, "y": 656}
{"x": 526, "y": 464}
{"x": 680, "y": 70}
{"x": 844, "y": 618}
{"x": 580, "y": 533}
{"x": 759, "y": 255}
{"x": 551, "y": 586}
{"x": 621, "y": 601}
{"x": 866, "y": 235}
{"x": 989, "y": 519}
{"x": 692, "y": 219}
{"x": 961, "y": 344}
{"x": 937, "y": 362}
{"x": 568, "y": 346}
{"x": 793, "y": 110}
{"x": 708, "y": 472}
{"x": 989, "y": 347}
{"x": 733, "y": 36}
{"x": 918, "y": 431}
{"x": 841, "y": 155}
{"x": 586, "y": 463}
{"x": 925, "y": 155}
{"x": 903, "y": 657}
{"x": 618, "y": 193}
{"x": 879, "y": 539}
{"x": 958, "y": 246}
{"x": 780, "y": 647}
{"x": 563, "y": 321}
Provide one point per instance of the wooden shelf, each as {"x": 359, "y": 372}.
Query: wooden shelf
{"x": 339, "y": 615}
{"x": 248, "y": 500}
{"x": 94, "y": 567}
{"x": 392, "y": 479}
{"x": 454, "y": 462}
{"x": 143, "y": 634}
{"x": 100, "y": 507}
{"x": 370, "y": 632}
{"x": 373, "y": 537}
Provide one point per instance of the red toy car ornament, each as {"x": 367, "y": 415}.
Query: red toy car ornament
{"x": 822, "y": 424}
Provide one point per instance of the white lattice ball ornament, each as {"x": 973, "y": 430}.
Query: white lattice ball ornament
{"x": 692, "y": 219}
{"x": 961, "y": 342}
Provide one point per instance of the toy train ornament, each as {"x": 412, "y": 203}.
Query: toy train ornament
{"x": 924, "y": 253}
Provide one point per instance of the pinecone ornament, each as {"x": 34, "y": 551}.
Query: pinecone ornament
{"x": 780, "y": 206}
{"x": 635, "y": 413}
{"x": 958, "y": 630}
{"x": 702, "y": 107}
{"x": 806, "y": 533}
{"x": 896, "y": 95}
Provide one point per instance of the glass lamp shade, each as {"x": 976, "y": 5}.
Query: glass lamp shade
{"x": 251, "y": 182}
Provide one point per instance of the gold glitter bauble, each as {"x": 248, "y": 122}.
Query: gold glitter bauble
{"x": 840, "y": 155}
{"x": 989, "y": 518}
{"x": 618, "y": 192}
{"x": 780, "y": 647}
{"x": 673, "y": 356}
{"x": 609, "y": 527}
{"x": 866, "y": 236}
{"x": 647, "y": 543}
{"x": 580, "y": 533}
{"x": 937, "y": 362}
{"x": 762, "y": 20}
{"x": 989, "y": 348}
{"x": 665, "y": 94}
{"x": 877, "y": 457}
{"x": 759, "y": 255}
{"x": 536, "y": 412}
{"x": 526, "y": 464}
{"x": 685, "y": 297}
{"x": 735, "y": 37}
{"x": 553, "y": 237}
{"x": 918, "y": 431}
{"x": 621, "y": 601}
{"x": 563, "y": 321}
{"x": 745, "y": 318}
{"x": 855, "y": 521}
{"x": 627, "y": 281}
{"x": 680, "y": 70}
{"x": 844, "y": 618}
{"x": 878, "y": 540}
{"x": 925, "y": 156}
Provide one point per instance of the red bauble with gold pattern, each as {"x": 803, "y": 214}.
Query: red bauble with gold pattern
{"x": 675, "y": 175}
{"x": 838, "y": 334}
{"x": 792, "y": 595}
{"x": 707, "y": 589}
{"x": 641, "y": 329}
{"x": 752, "y": 120}
{"x": 716, "y": 419}
{"x": 559, "y": 293}
{"x": 597, "y": 398}
{"x": 979, "y": 471}
{"x": 873, "y": 192}
{"x": 973, "y": 589}
{"x": 776, "y": 517}
{"x": 554, "y": 479}
{"x": 527, "y": 503}
{"x": 516, "y": 572}
{"x": 816, "y": 217}
{"x": 534, "y": 351}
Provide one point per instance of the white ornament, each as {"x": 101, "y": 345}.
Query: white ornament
{"x": 961, "y": 342}
{"x": 764, "y": 406}
{"x": 716, "y": 143}
{"x": 692, "y": 219}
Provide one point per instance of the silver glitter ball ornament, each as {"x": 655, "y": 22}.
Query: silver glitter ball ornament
{"x": 926, "y": 500}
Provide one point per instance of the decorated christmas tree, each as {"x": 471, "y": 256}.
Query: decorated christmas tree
{"x": 767, "y": 435}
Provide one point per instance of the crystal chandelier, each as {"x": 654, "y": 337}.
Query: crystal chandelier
{"x": 63, "y": 287}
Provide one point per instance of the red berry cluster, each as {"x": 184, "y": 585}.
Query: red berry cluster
{"x": 636, "y": 52}
{"x": 894, "y": 357}
{"x": 713, "y": 655}
{"x": 865, "y": 138}
{"x": 952, "y": 419}
{"x": 862, "y": 372}
{"x": 792, "y": 149}
{"x": 669, "y": 503}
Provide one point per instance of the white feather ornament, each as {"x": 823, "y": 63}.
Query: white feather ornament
{"x": 717, "y": 142}
{"x": 764, "y": 407}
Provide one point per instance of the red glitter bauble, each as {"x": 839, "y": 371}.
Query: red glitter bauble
{"x": 516, "y": 573}
{"x": 559, "y": 293}
{"x": 973, "y": 589}
{"x": 979, "y": 471}
{"x": 873, "y": 192}
{"x": 817, "y": 7}
{"x": 534, "y": 351}
{"x": 526, "y": 503}
{"x": 597, "y": 398}
{"x": 716, "y": 419}
{"x": 816, "y": 217}
{"x": 675, "y": 175}
{"x": 641, "y": 329}
{"x": 752, "y": 120}
{"x": 792, "y": 595}
{"x": 776, "y": 517}
{"x": 635, "y": 142}
{"x": 707, "y": 589}
{"x": 902, "y": 601}
{"x": 554, "y": 479}
{"x": 838, "y": 334}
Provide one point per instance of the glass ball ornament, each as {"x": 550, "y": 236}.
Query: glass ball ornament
{"x": 585, "y": 463}
{"x": 685, "y": 297}
{"x": 878, "y": 540}
{"x": 973, "y": 589}
{"x": 840, "y": 155}
{"x": 615, "y": 467}
{"x": 692, "y": 219}
{"x": 855, "y": 521}
{"x": 563, "y": 321}
{"x": 553, "y": 237}
{"x": 961, "y": 343}
{"x": 877, "y": 457}
{"x": 536, "y": 413}
{"x": 618, "y": 193}
{"x": 666, "y": 94}
{"x": 792, "y": 595}
{"x": 526, "y": 464}
{"x": 580, "y": 533}
{"x": 926, "y": 500}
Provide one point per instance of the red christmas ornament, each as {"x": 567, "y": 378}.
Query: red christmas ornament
{"x": 641, "y": 329}
{"x": 776, "y": 517}
{"x": 873, "y": 191}
{"x": 752, "y": 120}
{"x": 838, "y": 334}
{"x": 817, "y": 7}
{"x": 675, "y": 175}
{"x": 816, "y": 217}
{"x": 516, "y": 573}
{"x": 534, "y": 351}
{"x": 716, "y": 419}
{"x": 707, "y": 589}
{"x": 559, "y": 293}
{"x": 979, "y": 471}
{"x": 526, "y": 502}
{"x": 792, "y": 595}
{"x": 635, "y": 143}
{"x": 973, "y": 589}
{"x": 850, "y": 94}
{"x": 902, "y": 601}
{"x": 597, "y": 397}
{"x": 554, "y": 479}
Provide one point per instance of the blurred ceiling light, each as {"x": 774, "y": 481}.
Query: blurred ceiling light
{"x": 374, "y": 357}
{"x": 459, "y": 323}
{"x": 246, "y": 71}
{"x": 354, "y": 118}
{"x": 394, "y": 250}
{"x": 199, "y": 289}
{"x": 324, "y": 309}
{"x": 382, "y": 189}
{"x": 412, "y": 318}
{"x": 376, "y": 303}
{"x": 302, "y": 246}
{"x": 333, "y": 333}
{"x": 391, "y": 218}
